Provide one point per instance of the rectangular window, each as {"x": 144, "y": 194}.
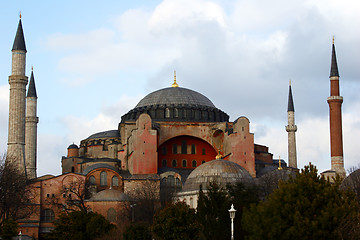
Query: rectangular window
{"x": 183, "y": 147}
{"x": 193, "y": 149}
{"x": 174, "y": 148}
{"x": 164, "y": 151}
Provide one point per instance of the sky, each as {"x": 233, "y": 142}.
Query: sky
{"x": 93, "y": 62}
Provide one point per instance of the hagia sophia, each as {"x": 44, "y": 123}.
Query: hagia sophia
{"x": 174, "y": 138}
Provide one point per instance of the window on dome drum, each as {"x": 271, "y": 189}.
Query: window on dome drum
{"x": 193, "y": 148}
{"x": 111, "y": 215}
{"x": 184, "y": 163}
{"x": 92, "y": 180}
{"x": 176, "y": 112}
{"x": 194, "y": 163}
{"x": 174, "y": 148}
{"x": 47, "y": 215}
{"x": 115, "y": 181}
{"x": 183, "y": 147}
{"x": 167, "y": 113}
{"x": 164, "y": 150}
{"x": 173, "y": 163}
{"x": 103, "y": 181}
{"x": 203, "y": 151}
{"x": 164, "y": 162}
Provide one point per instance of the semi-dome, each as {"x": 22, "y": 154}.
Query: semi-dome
{"x": 222, "y": 171}
{"x": 109, "y": 195}
{"x": 177, "y": 104}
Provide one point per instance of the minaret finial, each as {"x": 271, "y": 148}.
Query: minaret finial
{"x": 289, "y": 82}
{"x": 20, "y": 14}
{"x": 280, "y": 168}
{"x": 175, "y": 84}
{"x": 32, "y": 68}
{"x": 333, "y": 39}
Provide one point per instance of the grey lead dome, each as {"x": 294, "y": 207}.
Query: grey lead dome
{"x": 176, "y": 96}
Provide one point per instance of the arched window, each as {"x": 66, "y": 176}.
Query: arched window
{"x": 115, "y": 181}
{"x": 204, "y": 151}
{"x": 164, "y": 162}
{"x": 176, "y": 112}
{"x": 173, "y": 163}
{"x": 167, "y": 113}
{"x": 103, "y": 181}
{"x": 72, "y": 169}
{"x": 111, "y": 215}
{"x": 92, "y": 180}
{"x": 47, "y": 215}
{"x": 194, "y": 163}
{"x": 203, "y": 161}
{"x": 184, "y": 163}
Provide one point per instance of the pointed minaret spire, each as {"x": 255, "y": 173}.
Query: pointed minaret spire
{"x": 290, "y": 101}
{"x": 291, "y": 128}
{"x": 32, "y": 89}
{"x": 334, "y": 72}
{"x": 335, "y": 101}
{"x": 31, "y": 129}
{"x": 19, "y": 42}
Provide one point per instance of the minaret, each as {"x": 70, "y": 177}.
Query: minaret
{"x": 291, "y": 128}
{"x": 31, "y": 129}
{"x": 17, "y": 81}
{"x": 335, "y": 101}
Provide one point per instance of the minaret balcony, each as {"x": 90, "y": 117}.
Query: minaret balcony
{"x": 291, "y": 128}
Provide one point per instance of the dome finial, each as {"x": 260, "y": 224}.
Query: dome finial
{"x": 280, "y": 168}
{"x": 175, "y": 84}
{"x": 219, "y": 156}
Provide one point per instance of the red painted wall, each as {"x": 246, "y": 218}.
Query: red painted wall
{"x": 169, "y": 155}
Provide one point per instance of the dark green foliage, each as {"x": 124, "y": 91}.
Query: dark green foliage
{"x": 213, "y": 209}
{"x": 8, "y": 229}
{"x": 80, "y": 225}
{"x": 212, "y": 212}
{"x": 139, "y": 231}
{"x": 242, "y": 197}
{"x": 305, "y": 207}
{"x": 176, "y": 222}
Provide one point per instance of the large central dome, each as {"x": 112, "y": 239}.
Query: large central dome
{"x": 175, "y": 96}
{"x": 177, "y": 104}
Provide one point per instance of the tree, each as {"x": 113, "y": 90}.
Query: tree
{"x": 138, "y": 231}
{"x": 213, "y": 206}
{"x": 80, "y": 225}
{"x": 305, "y": 207}
{"x": 176, "y": 221}
{"x": 8, "y": 229}
{"x": 145, "y": 200}
{"x": 15, "y": 195}
{"x": 212, "y": 212}
{"x": 72, "y": 197}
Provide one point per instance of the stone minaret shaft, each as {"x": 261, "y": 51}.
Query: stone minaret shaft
{"x": 335, "y": 101}
{"x": 31, "y": 129}
{"x": 291, "y": 128}
{"x": 17, "y": 81}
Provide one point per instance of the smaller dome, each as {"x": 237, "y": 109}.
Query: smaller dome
{"x": 109, "y": 195}
{"x": 222, "y": 171}
{"x": 73, "y": 146}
